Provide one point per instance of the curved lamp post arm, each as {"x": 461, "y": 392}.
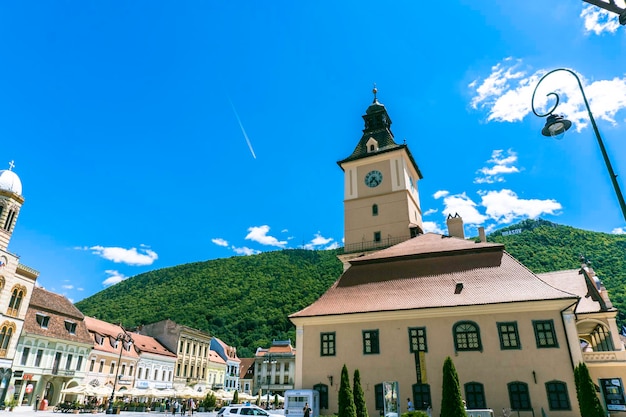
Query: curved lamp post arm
{"x": 609, "y": 167}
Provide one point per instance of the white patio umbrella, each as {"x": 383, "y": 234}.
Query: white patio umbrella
{"x": 100, "y": 391}
{"x": 224, "y": 395}
{"x": 186, "y": 392}
{"x": 77, "y": 389}
{"x": 164, "y": 393}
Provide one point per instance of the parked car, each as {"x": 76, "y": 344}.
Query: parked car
{"x": 237, "y": 410}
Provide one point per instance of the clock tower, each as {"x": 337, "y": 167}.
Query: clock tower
{"x": 381, "y": 201}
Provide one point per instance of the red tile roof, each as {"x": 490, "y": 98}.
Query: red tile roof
{"x": 59, "y": 310}
{"x": 574, "y": 282}
{"x": 148, "y": 344}
{"x": 214, "y": 357}
{"x": 109, "y": 332}
{"x": 426, "y": 272}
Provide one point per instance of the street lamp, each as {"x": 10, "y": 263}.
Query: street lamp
{"x": 125, "y": 339}
{"x": 269, "y": 378}
{"x": 611, "y": 7}
{"x": 557, "y": 125}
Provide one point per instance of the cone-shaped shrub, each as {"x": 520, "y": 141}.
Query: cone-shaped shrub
{"x": 359, "y": 397}
{"x": 346, "y": 400}
{"x": 588, "y": 402}
{"x": 451, "y": 400}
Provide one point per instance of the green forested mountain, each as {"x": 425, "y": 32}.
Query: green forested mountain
{"x": 245, "y": 300}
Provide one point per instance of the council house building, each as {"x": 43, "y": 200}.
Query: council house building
{"x": 407, "y": 300}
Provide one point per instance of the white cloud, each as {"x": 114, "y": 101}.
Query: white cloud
{"x": 500, "y": 165}
{"x": 317, "y": 241}
{"x": 245, "y": 251}
{"x": 80, "y": 289}
{"x": 507, "y": 93}
{"x": 220, "y": 242}
{"x": 619, "y": 231}
{"x": 439, "y": 194}
{"x": 332, "y": 246}
{"x": 259, "y": 234}
{"x": 67, "y": 287}
{"x": 430, "y": 211}
{"x": 504, "y": 206}
{"x": 465, "y": 207}
{"x": 114, "y": 277}
{"x": 132, "y": 256}
{"x": 432, "y": 227}
{"x": 598, "y": 20}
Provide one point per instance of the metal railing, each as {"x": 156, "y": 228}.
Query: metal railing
{"x": 374, "y": 244}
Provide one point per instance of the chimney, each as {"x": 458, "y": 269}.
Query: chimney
{"x": 455, "y": 226}
{"x": 481, "y": 234}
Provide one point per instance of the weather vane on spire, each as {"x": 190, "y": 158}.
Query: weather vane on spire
{"x": 11, "y": 165}
{"x": 374, "y": 90}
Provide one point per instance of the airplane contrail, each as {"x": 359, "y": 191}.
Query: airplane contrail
{"x": 245, "y": 135}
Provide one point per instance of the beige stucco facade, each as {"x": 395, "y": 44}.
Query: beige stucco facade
{"x": 492, "y": 366}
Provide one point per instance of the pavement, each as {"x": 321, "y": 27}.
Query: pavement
{"x": 30, "y": 412}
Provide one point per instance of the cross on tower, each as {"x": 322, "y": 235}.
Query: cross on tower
{"x": 11, "y": 165}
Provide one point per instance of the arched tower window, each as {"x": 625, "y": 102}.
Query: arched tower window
{"x": 9, "y": 221}
{"x": 6, "y": 332}
{"x": 17, "y": 294}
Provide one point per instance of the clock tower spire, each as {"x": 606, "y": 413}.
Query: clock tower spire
{"x": 381, "y": 200}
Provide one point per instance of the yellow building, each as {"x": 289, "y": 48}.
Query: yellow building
{"x": 399, "y": 309}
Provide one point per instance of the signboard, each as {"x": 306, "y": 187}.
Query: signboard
{"x": 613, "y": 391}
{"x": 391, "y": 406}
{"x": 28, "y": 377}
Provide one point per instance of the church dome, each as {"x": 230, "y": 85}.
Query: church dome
{"x": 9, "y": 181}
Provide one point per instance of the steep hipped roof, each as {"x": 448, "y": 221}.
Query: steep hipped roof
{"x": 148, "y": 344}
{"x": 573, "y": 281}
{"x": 108, "y": 332}
{"x": 431, "y": 271}
{"x": 59, "y": 310}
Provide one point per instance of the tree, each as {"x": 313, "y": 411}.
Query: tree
{"x": 588, "y": 402}
{"x": 235, "y": 398}
{"x": 451, "y": 400}
{"x": 346, "y": 400}
{"x": 359, "y": 396}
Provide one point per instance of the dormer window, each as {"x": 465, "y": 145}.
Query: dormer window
{"x": 99, "y": 339}
{"x": 372, "y": 145}
{"x": 70, "y": 326}
{"x": 42, "y": 320}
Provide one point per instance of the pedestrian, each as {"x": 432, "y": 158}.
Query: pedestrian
{"x": 183, "y": 408}
{"x": 307, "y": 410}
{"x": 167, "y": 406}
{"x": 36, "y": 403}
{"x": 176, "y": 408}
{"x": 409, "y": 405}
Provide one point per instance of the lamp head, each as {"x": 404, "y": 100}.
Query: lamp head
{"x": 556, "y": 126}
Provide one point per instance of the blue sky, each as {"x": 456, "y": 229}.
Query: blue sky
{"x": 149, "y": 134}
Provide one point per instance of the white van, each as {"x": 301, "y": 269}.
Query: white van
{"x": 295, "y": 399}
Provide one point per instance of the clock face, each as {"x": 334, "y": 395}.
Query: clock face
{"x": 373, "y": 179}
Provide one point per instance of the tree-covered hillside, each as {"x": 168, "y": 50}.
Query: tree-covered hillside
{"x": 245, "y": 300}
{"x": 242, "y": 300}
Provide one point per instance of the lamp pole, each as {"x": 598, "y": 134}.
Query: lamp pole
{"x": 269, "y": 379}
{"x": 125, "y": 339}
{"x": 557, "y": 125}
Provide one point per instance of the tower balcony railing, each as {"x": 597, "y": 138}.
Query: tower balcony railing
{"x": 605, "y": 356}
{"x": 374, "y": 244}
